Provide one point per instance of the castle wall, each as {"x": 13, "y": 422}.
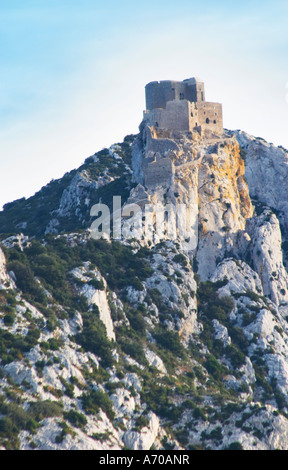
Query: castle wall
{"x": 158, "y": 94}
{"x": 185, "y": 116}
{"x": 194, "y": 90}
{"x": 193, "y": 115}
{"x": 181, "y": 106}
{"x": 175, "y": 116}
{"x": 159, "y": 145}
{"x": 210, "y": 116}
{"x": 159, "y": 172}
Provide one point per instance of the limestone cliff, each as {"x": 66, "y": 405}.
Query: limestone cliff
{"x": 158, "y": 343}
{"x": 206, "y": 174}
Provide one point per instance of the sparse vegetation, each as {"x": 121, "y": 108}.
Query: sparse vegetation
{"x": 204, "y": 391}
{"x": 75, "y": 418}
{"x": 95, "y": 400}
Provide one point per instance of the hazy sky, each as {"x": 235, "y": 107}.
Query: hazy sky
{"x": 72, "y": 74}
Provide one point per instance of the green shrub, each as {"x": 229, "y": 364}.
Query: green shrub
{"x": 65, "y": 431}
{"x": 198, "y": 413}
{"x": 182, "y": 437}
{"x": 133, "y": 349}
{"x": 181, "y": 259}
{"x": 33, "y": 445}
{"x": 16, "y": 418}
{"x": 155, "y": 296}
{"x": 156, "y": 396}
{"x": 136, "y": 320}
{"x": 211, "y": 305}
{"x": 69, "y": 387}
{"x": 93, "y": 338}
{"x": 8, "y": 297}
{"x": 215, "y": 434}
{"x": 280, "y": 399}
{"x": 75, "y": 418}
{"x": 50, "y": 269}
{"x": 236, "y": 357}
{"x": 141, "y": 422}
{"x": 99, "y": 285}
{"x": 249, "y": 293}
{"x": 235, "y": 446}
{"x": 45, "y": 409}
{"x": 112, "y": 386}
{"x": 170, "y": 340}
{"x": 9, "y": 319}
{"x": 53, "y": 344}
{"x": 101, "y": 436}
{"x": 96, "y": 399}
{"x": 13, "y": 346}
{"x": 7, "y": 428}
{"x": 238, "y": 338}
{"x": 215, "y": 368}
{"x": 26, "y": 282}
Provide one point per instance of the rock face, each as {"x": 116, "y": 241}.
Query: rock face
{"x": 205, "y": 175}
{"x": 162, "y": 341}
{"x": 266, "y": 170}
{"x": 96, "y": 296}
{"x": 155, "y": 361}
{"x": 3, "y": 274}
{"x": 143, "y": 440}
{"x": 268, "y": 257}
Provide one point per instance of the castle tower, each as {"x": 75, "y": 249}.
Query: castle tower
{"x": 194, "y": 90}
{"x": 159, "y": 93}
{"x": 181, "y": 106}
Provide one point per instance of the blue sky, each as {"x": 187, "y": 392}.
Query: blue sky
{"x": 73, "y": 74}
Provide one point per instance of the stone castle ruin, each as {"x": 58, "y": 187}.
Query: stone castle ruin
{"x": 181, "y": 106}
{"x": 183, "y": 158}
{"x": 173, "y": 110}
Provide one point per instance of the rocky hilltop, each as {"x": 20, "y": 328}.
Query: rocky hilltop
{"x": 129, "y": 344}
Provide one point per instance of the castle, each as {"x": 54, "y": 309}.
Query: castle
{"x": 172, "y": 110}
{"x": 181, "y": 106}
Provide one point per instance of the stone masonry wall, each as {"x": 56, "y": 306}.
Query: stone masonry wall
{"x": 159, "y": 172}
{"x": 175, "y": 116}
{"x": 207, "y": 115}
{"x": 159, "y": 93}
{"x": 185, "y": 116}
{"x": 181, "y": 106}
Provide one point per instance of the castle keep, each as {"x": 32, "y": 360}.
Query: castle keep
{"x": 181, "y": 106}
{"x": 176, "y": 112}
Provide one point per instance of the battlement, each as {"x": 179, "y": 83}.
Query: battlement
{"x": 181, "y": 106}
